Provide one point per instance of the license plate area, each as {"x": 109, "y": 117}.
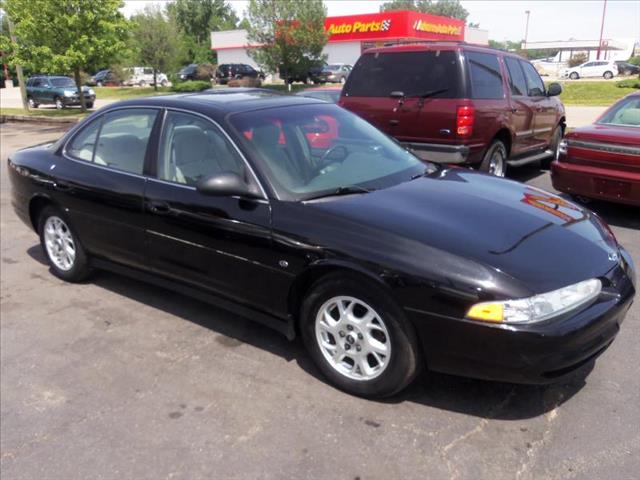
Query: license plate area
{"x": 615, "y": 188}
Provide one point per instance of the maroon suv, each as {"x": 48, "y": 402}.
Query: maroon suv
{"x": 458, "y": 103}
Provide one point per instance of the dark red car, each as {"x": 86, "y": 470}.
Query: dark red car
{"x": 603, "y": 160}
{"x": 458, "y": 103}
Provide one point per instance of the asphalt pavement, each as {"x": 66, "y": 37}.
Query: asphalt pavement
{"x": 116, "y": 379}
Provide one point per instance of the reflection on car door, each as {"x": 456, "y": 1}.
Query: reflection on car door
{"x": 545, "y": 107}
{"x": 104, "y": 183}
{"x": 522, "y": 108}
{"x": 221, "y": 244}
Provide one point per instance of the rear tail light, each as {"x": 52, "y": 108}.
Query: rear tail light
{"x": 465, "y": 119}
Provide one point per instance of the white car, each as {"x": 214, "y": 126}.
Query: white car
{"x": 143, "y": 76}
{"x": 595, "y": 68}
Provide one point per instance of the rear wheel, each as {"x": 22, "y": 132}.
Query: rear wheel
{"x": 607, "y": 75}
{"x": 554, "y": 146}
{"x": 61, "y": 246}
{"x": 495, "y": 159}
{"x": 358, "y": 337}
{"x": 574, "y": 76}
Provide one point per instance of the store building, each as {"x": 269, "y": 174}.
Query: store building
{"x": 351, "y": 35}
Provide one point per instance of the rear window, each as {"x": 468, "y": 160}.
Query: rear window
{"x": 486, "y": 79}
{"x": 413, "y": 73}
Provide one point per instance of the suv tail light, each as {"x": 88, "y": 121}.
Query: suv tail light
{"x": 465, "y": 119}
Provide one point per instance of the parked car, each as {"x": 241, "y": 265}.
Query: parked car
{"x": 189, "y": 72}
{"x": 603, "y": 160}
{"x": 383, "y": 263}
{"x": 231, "y": 71}
{"x": 143, "y": 76}
{"x": 104, "y": 78}
{"x": 599, "y": 68}
{"x": 458, "y": 103}
{"x": 305, "y": 71}
{"x": 59, "y": 91}
{"x": 331, "y": 95}
{"x": 625, "y": 68}
{"x": 335, "y": 73}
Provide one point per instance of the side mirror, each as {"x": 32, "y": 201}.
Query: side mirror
{"x": 554, "y": 89}
{"x": 226, "y": 185}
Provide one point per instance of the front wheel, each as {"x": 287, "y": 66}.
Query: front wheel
{"x": 495, "y": 159}
{"x": 60, "y": 244}
{"x": 608, "y": 75}
{"x": 32, "y": 103}
{"x": 89, "y": 105}
{"x": 59, "y": 103}
{"x": 99, "y": 84}
{"x": 358, "y": 337}
{"x": 574, "y": 76}
{"x": 142, "y": 83}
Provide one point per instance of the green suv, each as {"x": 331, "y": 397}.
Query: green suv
{"x": 60, "y": 91}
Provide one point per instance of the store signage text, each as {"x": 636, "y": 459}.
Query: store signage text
{"x": 441, "y": 28}
{"x": 359, "y": 27}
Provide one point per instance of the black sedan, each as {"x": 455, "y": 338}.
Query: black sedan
{"x": 381, "y": 262}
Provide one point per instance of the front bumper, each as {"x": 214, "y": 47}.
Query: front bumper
{"x": 596, "y": 182}
{"x": 75, "y": 100}
{"x": 439, "y": 153}
{"x": 536, "y": 354}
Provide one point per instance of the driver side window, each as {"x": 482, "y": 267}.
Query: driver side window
{"x": 193, "y": 148}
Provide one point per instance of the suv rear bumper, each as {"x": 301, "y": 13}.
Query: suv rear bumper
{"x": 439, "y": 153}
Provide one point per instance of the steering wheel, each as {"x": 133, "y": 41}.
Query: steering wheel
{"x": 337, "y": 153}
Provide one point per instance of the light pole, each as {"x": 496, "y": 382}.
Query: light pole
{"x": 526, "y": 28}
{"x": 604, "y": 10}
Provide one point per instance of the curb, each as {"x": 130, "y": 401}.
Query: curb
{"x": 38, "y": 119}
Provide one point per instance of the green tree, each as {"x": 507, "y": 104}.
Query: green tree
{"x": 66, "y": 36}
{"x": 196, "y": 19}
{"x": 445, "y": 8}
{"x": 155, "y": 39}
{"x": 291, "y": 33}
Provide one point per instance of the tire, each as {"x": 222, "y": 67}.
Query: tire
{"x": 495, "y": 159}
{"x": 59, "y": 103}
{"x": 343, "y": 80}
{"x": 373, "y": 376}
{"x": 89, "y": 105}
{"x": 142, "y": 83}
{"x": 607, "y": 75}
{"x": 32, "y": 103}
{"x": 574, "y": 76}
{"x": 55, "y": 231}
{"x": 164, "y": 83}
{"x": 556, "y": 138}
{"x": 99, "y": 84}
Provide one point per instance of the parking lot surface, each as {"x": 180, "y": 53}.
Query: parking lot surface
{"x": 115, "y": 379}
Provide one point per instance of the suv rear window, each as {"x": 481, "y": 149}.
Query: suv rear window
{"x": 413, "y": 73}
{"x": 486, "y": 79}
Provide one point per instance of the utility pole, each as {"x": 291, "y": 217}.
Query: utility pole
{"x": 526, "y": 28}
{"x": 604, "y": 10}
{"x": 23, "y": 90}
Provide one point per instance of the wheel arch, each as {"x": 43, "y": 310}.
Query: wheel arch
{"x": 305, "y": 281}
{"x": 505, "y": 136}
{"x": 37, "y": 203}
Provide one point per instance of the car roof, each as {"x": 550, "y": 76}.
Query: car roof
{"x": 218, "y": 103}
{"x": 443, "y": 45}
{"x": 319, "y": 89}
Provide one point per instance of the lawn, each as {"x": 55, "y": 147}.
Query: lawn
{"x": 122, "y": 93}
{"x": 48, "y": 112}
{"x": 578, "y": 92}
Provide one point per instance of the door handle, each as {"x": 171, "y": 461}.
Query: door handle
{"x": 62, "y": 186}
{"x": 160, "y": 208}
{"x": 393, "y": 123}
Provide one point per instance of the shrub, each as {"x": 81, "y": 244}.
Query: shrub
{"x": 205, "y": 71}
{"x": 577, "y": 59}
{"x": 245, "y": 82}
{"x": 629, "y": 83}
{"x": 191, "y": 86}
{"x": 635, "y": 60}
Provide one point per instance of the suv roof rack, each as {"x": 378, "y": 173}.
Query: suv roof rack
{"x": 426, "y": 42}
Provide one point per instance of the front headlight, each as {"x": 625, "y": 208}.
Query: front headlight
{"x": 91, "y": 92}
{"x": 539, "y": 307}
{"x": 69, "y": 93}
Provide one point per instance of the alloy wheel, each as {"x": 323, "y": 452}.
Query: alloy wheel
{"x": 59, "y": 243}
{"x": 59, "y": 104}
{"x": 353, "y": 338}
{"x": 497, "y": 163}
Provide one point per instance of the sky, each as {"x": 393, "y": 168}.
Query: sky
{"x": 505, "y": 19}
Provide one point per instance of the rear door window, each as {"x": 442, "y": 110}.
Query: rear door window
{"x": 517, "y": 81}
{"x": 486, "y": 79}
{"x": 434, "y": 72}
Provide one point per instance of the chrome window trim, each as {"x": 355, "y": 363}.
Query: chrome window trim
{"x": 604, "y": 147}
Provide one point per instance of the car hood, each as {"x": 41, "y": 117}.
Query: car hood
{"x": 533, "y": 236}
{"x": 621, "y": 134}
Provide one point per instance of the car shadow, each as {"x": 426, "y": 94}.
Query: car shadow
{"x": 446, "y": 392}
{"x": 525, "y": 173}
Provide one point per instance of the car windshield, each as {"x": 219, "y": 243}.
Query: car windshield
{"x": 309, "y": 151}
{"x": 62, "y": 82}
{"x": 626, "y": 112}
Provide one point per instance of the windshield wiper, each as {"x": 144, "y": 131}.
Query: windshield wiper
{"x": 345, "y": 190}
{"x": 428, "y": 94}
